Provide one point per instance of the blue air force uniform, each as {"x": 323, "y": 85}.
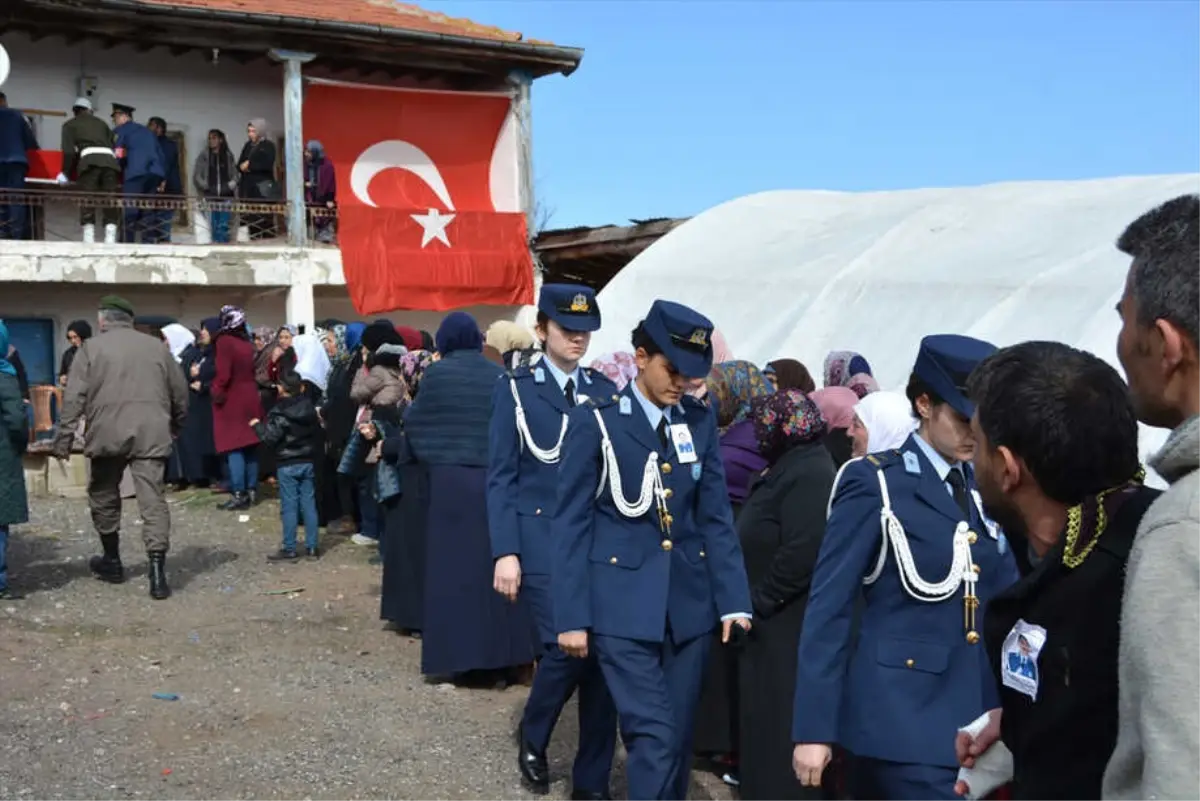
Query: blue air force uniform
{"x": 522, "y": 498}
{"x": 646, "y": 557}
{"x": 144, "y": 169}
{"x": 918, "y": 671}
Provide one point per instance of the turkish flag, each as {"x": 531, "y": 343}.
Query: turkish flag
{"x": 428, "y": 208}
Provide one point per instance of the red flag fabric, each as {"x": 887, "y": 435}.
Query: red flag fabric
{"x": 423, "y": 220}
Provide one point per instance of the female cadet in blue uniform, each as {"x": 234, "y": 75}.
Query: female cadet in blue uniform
{"x": 529, "y": 418}
{"x": 646, "y": 559}
{"x": 918, "y": 671}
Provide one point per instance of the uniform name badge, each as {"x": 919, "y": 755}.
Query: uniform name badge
{"x": 1019, "y": 658}
{"x": 681, "y": 438}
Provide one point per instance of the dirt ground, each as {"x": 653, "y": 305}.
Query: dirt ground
{"x": 295, "y": 695}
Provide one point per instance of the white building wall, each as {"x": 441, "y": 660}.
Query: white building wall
{"x": 188, "y": 91}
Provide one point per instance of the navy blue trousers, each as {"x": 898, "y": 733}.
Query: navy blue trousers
{"x": 656, "y": 687}
{"x": 898, "y": 781}
{"x": 557, "y": 677}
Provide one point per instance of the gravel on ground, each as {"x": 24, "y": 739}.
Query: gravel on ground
{"x": 287, "y": 695}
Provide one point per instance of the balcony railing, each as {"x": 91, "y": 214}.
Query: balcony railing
{"x": 51, "y": 215}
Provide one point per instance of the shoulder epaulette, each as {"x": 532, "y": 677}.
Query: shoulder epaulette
{"x": 520, "y": 371}
{"x": 883, "y": 459}
{"x": 600, "y": 401}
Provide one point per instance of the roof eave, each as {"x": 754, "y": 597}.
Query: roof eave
{"x": 538, "y": 59}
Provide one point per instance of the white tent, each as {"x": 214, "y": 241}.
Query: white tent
{"x": 800, "y": 273}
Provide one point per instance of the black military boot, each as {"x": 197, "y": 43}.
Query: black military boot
{"x": 158, "y": 575}
{"x": 108, "y": 567}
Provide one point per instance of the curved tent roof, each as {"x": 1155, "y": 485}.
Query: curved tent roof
{"x": 801, "y": 273}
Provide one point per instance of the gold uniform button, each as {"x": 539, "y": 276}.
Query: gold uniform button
{"x": 909, "y": 663}
{"x": 977, "y": 569}
{"x": 702, "y": 554}
{"x": 972, "y": 637}
{"x": 972, "y": 537}
{"x": 616, "y": 397}
{"x": 613, "y": 561}
{"x": 666, "y": 468}
{"x": 668, "y": 493}
{"x": 670, "y": 519}
{"x": 667, "y": 545}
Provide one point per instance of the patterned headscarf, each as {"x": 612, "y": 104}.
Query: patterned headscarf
{"x": 341, "y": 353}
{"x": 620, "y": 367}
{"x": 412, "y": 368}
{"x": 233, "y": 320}
{"x": 783, "y": 420}
{"x": 842, "y": 365}
{"x": 265, "y": 333}
{"x": 731, "y": 387}
{"x": 836, "y": 405}
{"x": 863, "y": 384}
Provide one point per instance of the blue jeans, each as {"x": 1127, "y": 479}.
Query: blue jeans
{"x": 220, "y": 225}
{"x": 368, "y": 507}
{"x": 297, "y": 496}
{"x": 243, "y": 469}
{"x": 3, "y": 558}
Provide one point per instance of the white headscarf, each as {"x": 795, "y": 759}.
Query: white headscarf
{"x": 178, "y": 338}
{"x": 312, "y": 362}
{"x": 888, "y": 419}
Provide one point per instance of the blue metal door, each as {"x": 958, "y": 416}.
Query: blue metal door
{"x": 33, "y": 337}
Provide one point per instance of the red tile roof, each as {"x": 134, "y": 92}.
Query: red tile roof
{"x": 384, "y": 13}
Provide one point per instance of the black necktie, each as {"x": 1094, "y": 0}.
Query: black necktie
{"x": 958, "y": 486}
{"x": 662, "y": 431}
{"x": 569, "y": 391}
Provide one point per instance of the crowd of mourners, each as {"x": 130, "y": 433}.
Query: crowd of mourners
{"x": 966, "y": 588}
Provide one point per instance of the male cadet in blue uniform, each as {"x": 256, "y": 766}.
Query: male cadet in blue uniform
{"x": 171, "y": 187}
{"x": 142, "y": 160}
{"x": 647, "y": 563}
{"x": 918, "y": 672}
{"x": 529, "y": 419}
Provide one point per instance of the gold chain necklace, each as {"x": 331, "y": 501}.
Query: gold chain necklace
{"x": 1075, "y": 523}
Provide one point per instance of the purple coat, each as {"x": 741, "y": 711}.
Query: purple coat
{"x": 743, "y": 464}
{"x": 325, "y": 188}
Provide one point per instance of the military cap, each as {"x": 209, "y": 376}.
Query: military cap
{"x": 572, "y": 306}
{"x": 683, "y": 335}
{"x": 121, "y": 108}
{"x": 116, "y": 303}
{"x": 944, "y": 361}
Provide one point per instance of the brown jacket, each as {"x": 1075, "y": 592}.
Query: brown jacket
{"x": 379, "y": 386}
{"x": 131, "y": 392}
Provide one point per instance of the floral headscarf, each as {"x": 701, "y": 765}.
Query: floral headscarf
{"x": 731, "y": 386}
{"x": 412, "y": 368}
{"x": 620, "y": 367}
{"x": 264, "y": 333}
{"x": 783, "y": 420}
{"x": 341, "y": 353}
{"x": 842, "y": 365}
{"x": 863, "y": 384}
{"x": 233, "y": 320}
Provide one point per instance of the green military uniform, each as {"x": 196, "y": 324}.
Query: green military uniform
{"x": 87, "y": 143}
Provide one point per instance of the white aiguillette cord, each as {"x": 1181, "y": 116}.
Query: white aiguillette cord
{"x": 544, "y": 456}
{"x": 652, "y": 488}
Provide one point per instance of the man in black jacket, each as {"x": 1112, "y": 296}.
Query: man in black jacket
{"x": 1056, "y": 459}
{"x": 293, "y": 429}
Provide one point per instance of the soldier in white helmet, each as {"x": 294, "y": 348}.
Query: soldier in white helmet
{"x": 87, "y": 146}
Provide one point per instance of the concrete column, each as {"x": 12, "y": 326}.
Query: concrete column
{"x": 521, "y": 85}
{"x": 293, "y": 150}
{"x": 301, "y": 306}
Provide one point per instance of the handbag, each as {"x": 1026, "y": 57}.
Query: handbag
{"x": 267, "y": 188}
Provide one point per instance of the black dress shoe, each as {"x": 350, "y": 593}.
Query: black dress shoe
{"x": 588, "y": 795}
{"x": 535, "y": 773}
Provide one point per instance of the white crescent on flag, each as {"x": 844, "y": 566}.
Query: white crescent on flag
{"x": 5, "y": 64}
{"x": 396, "y": 154}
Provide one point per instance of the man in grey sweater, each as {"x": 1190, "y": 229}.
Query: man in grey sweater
{"x": 1157, "y": 755}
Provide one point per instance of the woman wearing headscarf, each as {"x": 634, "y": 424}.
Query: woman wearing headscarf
{"x": 320, "y": 189}
{"x": 468, "y": 628}
{"x": 235, "y": 403}
{"x": 78, "y": 332}
{"x": 373, "y": 386}
{"x": 178, "y": 339}
{"x": 780, "y": 528}
{"x": 256, "y": 181}
{"x": 863, "y": 384}
{"x": 338, "y": 411}
{"x": 837, "y": 407}
{"x": 402, "y": 600}
{"x": 790, "y": 374}
{"x": 195, "y": 452}
{"x": 882, "y": 421}
{"x": 14, "y": 439}
{"x": 842, "y": 365}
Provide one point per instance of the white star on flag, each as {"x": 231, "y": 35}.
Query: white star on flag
{"x": 434, "y": 224}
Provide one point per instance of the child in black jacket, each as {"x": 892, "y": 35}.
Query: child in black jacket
{"x": 293, "y": 429}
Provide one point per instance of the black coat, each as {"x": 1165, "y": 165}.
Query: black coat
{"x": 781, "y": 527}
{"x": 14, "y": 439}
{"x": 1061, "y": 743}
{"x": 292, "y": 430}
{"x": 193, "y": 460}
